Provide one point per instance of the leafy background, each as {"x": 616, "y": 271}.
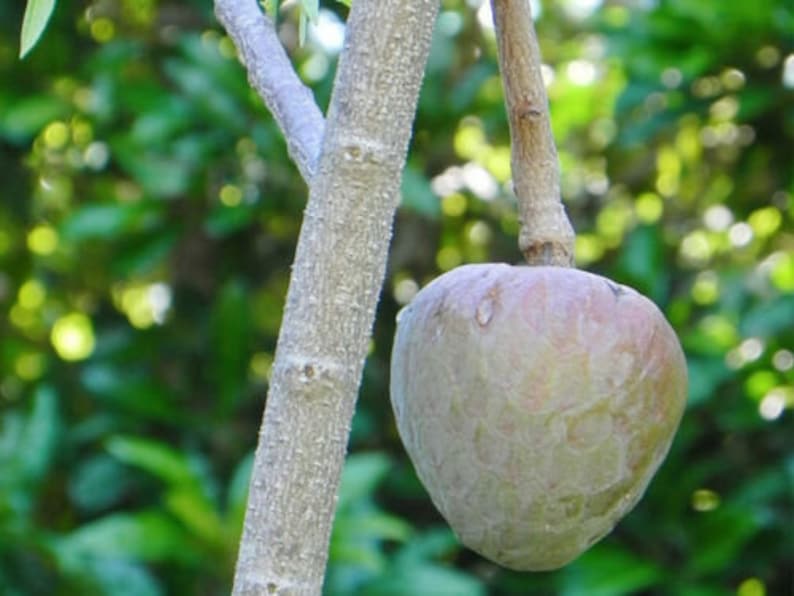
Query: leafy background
{"x": 149, "y": 216}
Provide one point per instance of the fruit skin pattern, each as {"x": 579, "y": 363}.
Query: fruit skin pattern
{"x": 536, "y": 403}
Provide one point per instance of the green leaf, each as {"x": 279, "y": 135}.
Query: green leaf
{"x": 705, "y": 376}
{"x": 237, "y": 494}
{"x": 105, "y": 576}
{"x": 425, "y": 579}
{"x": 160, "y": 175}
{"x": 309, "y": 13}
{"x": 99, "y": 483}
{"x": 167, "y": 464}
{"x": 192, "y": 507}
{"x": 371, "y": 525}
{"x": 37, "y": 14}
{"x": 230, "y": 343}
{"x": 302, "y": 29}
{"x": 312, "y": 9}
{"x": 147, "y": 535}
{"x": 223, "y": 220}
{"x": 431, "y": 544}
{"x": 609, "y": 571}
{"x": 721, "y": 535}
{"x": 271, "y": 8}
{"x": 642, "y": 263}
{"x": 104, "y": 221}
{"x": 362, "y": 473}
{"x": 356, "y": 555}
{"x": 187, "y": 497}
{"x": 37, "y": 443}
{"x": 137, "y": 394}
{"x": 417, "y": 195}
{"x": 24, "y": 117}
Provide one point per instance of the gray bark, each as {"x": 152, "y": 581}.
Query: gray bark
{"x": 336, "y": 278}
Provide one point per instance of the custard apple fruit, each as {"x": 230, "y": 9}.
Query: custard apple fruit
{"x": 536, "y": 403}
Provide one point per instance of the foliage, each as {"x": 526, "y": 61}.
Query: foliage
{"x": 148, "y": 220}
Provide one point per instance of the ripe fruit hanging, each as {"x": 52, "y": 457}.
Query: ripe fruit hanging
{"x": 536, "y": 403}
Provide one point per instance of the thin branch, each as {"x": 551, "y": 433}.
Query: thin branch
{"x": 546, "y": 236}
{"x": 271, "y": 74}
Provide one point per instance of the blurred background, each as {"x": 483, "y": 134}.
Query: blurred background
{"x": 148, "y": 218}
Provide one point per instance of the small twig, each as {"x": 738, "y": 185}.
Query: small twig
{"x": 546, "y": 236}
{"x": 270, "y": 72}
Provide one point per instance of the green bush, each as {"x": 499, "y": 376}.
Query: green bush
{"x": 148, "y": 217}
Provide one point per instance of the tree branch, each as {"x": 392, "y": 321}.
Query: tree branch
{"x": 271, "y": 74}
{"x": 546, "y": 236}
{"x": 336, "y": 278}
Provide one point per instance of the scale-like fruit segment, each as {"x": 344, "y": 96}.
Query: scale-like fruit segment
{"x": 536, "y": 403}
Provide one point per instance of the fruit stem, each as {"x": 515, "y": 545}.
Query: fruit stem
{"x": 546, "y": 236}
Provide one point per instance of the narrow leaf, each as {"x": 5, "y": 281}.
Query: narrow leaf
{"x": 156, "y": 458}
{"x": 312, "y": 9}
{"x": 271, "y": 7}
{"x": 37, "y": 14}
{"x": 302, "y": 29}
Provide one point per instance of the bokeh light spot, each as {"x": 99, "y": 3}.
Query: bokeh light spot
{"x": 696, "y": 248}
{"x": 405, "y": 290}
{"x": 231, "y": 195}
{"x": 649, "y": 207}
{"x": 261, "y": 365}
{"x": 103, "y": 30}
{"x": 704, "y": 500}
{"x": 782, "y": 272}
{"x": 718, "y": 218}
{"x": 448, "y": 258}
{"x": 43, "y": 240}
{"x": 144, "y": 304}
{"x": 783, "y": 360}
{"x": 751, "y": 587}
{"x": 740, "y": 234}
{"x": 453, "y": 205}
{"x": 29, "y": 366}
{"x": 478, "y": 233}
{"x": 56, "y": 135}
{"x": 765, "y": 221}
{"x": 788, "y": 72}
{"x": 760, "y": 383}
{"x": 719, "y": 331}
{"x": 706, "y": 289}
{"x": 469, "y": 141}
{"x": 31, "y": 294}
{"x": 73, "y": 337}
{"x": 773, "y": 403}
{"x": 588, "y": 249}
{"x": 581, "y": 72}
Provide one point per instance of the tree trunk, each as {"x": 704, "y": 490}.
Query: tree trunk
{"x": 336, "y": 278}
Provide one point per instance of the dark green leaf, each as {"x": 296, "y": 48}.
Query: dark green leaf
{"x": 362, "y": 473}
{"x": 610, "y": 571}
{"x": 425, "y": 579}
{"x": 147, "y": 535}
{"x": 231, "y": 329}
{"x": 24, "y": 117}
{"x": 164, "y": 462}
{"x": 417, "y": 194}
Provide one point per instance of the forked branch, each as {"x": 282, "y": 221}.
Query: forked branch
{"x": 271, "y": 74}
